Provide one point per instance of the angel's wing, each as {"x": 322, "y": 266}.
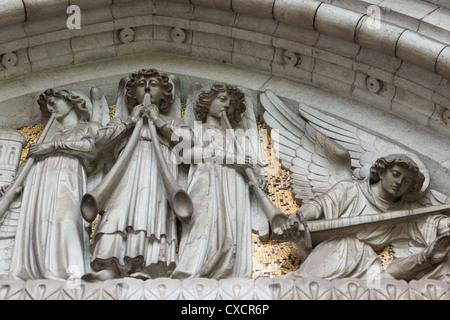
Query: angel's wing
{"x": 364, "y": 147}
{"x": 321, "y": 150}
{"x": 315, "y": 161}
{"x": 100, "y": 108}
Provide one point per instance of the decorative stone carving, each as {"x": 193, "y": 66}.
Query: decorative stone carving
{"x": 178, "y": 35}
{"x": 135, "y": 213}
{"x": 373, "y": 85}
{"x": 9, "y": 60}
{"x": 126, "y": 35}
{"x": 290, "y": 58}
{"x": 323, "y": 177}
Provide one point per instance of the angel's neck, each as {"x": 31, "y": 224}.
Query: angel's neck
{"x": 212, "y": 121}
{"x": 382, "y": 195}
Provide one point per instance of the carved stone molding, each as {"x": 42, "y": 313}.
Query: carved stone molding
{"x": 229, "y": 289}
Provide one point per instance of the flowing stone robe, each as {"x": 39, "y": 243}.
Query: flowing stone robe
{"x": 50, "y": 239}
{"x": 216, "y": 242}
{"x": 138, "y": 227}
{"x": 355, "y": 256}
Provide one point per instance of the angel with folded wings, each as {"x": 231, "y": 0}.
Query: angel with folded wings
{"x": 50, "y": 240}
{"x": 340, "y": 174}
{"x": 224, "y": 181}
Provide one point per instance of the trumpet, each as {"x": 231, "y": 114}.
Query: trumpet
{"x": 9, "y": 196}
{"x": 93, "y": 202}
{"x": 275, "y": 216}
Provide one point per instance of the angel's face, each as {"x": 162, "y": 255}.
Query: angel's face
{"x": 149, "y": 85}
{"x": 219, "y": 104}
{"x": 59, "y": 107}
{"x": 396, "y": 181}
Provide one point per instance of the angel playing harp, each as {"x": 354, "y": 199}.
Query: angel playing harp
{"x": 359, "y": 193}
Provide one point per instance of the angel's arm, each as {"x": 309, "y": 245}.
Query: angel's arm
{"x": 111, "y": 134}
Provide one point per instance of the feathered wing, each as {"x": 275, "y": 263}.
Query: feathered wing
{"x": 321, "y": 150}
{"x": 364, "y": 148}
{"x": 316, "y": 162}
{"x": 100, "y": 108}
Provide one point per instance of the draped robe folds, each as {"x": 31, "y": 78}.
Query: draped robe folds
{"x": 216, "y": 242}
{"x": 138, "y": 227}
{"x": 355, "y": 256}
{"x": 50, "y": 239}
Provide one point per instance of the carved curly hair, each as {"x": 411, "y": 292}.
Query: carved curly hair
{"x": 205, "y": 98}
{"x": 77, "y": 103}
{"x": 383, "y": 163}
{"x": 163, "y": 79}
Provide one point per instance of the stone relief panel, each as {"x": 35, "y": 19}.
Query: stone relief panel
{"x": 254, "y": 210}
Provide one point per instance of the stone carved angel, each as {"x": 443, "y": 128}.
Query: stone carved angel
{"x": 320, "y": 152}
{"x": 136, "y": 234}
{"x": 216, "y": 240}
{"x": 50, "y": 239}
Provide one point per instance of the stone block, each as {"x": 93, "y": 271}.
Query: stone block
{"x": 199, "y": 289}
{"x": 331, "y": 84}
{"x": 335, "y": 71}
{"x": 291, "y": 72}
{"x": 333, "y": 58}
{"x": 88, "y": 4}
{"x": 99, "y": 40}
{"x": 255, "y": 23}
{"x": 390, "y": 289}
{"x": 378, "y": 60}
{"x": 224, "y": 17}
{"x": 162, "y": 289}
{"x": 292, "y": 46}
{"x": 429, "y": 290}
{"x": 412, "y": 107}
{"x": 209, "y": 40}
{"x": 313, "y": 288}
{"x": 412, "y": 8}
{"x": 12, "y": 33}
{"x": 443, "y": 63}
{"x": 341, "y": 47}
{"x": 93, "y": 29}
{"x": 172, "y": 9}
{"x": 43, "y": 9}
{"x": 220, "y": 30}
{"x": 419, "y": 75}
{"x": 259, "y": 8}
{"x": 337, "y": 22}
{"x": 127, "y": 8}
{"x": 211, "y": 54}
{"x": 236, "y": 289}
{"x": 436, "y": 25}
{"x": 350, "y": 289}
{"x": 300, "y": 13}
{"x": 418, "y": 49}
{"x": 383, "y": 39}
{"x": 171, "y": 22}
{"x": 253, "y": 36}
{"x": 253, "y": 49}
{"x": 142, "y": 33}
{"x": 251, "y": 62}
{"x": 131, "y": 48}
{"x": 382, "y": 75}
{"x": 13, "y": 11}
{"x": 52, "y": 23}
{"x": 296, "y": 34}
{"x": 219, "y": 4}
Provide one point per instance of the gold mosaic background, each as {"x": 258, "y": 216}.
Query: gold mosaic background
{"x": 270, "y": 258}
